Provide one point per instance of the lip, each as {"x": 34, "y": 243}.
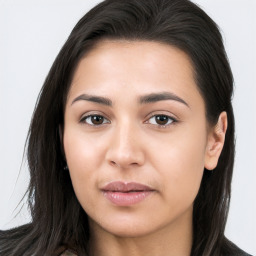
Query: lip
{"x": 126, "y": 194}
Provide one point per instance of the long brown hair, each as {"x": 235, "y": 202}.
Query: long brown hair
{"x": 57, "y": 217}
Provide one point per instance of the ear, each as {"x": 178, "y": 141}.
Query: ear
{"x": 215, "y": 142}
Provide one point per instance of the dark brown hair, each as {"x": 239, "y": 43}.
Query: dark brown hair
{"x": 57, "y": 217}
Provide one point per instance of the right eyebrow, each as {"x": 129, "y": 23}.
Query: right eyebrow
{"x": 93, "y": 98}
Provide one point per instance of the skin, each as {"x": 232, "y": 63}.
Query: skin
{"x": 130, "y": 145}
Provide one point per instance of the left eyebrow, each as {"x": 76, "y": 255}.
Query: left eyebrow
{"x": 154, "y": 97}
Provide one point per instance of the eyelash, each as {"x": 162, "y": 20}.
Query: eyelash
{"x": 170, "y": 118}
{"x": 83, "y": 120}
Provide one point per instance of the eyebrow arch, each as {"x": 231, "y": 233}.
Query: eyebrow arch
{"x": 93, "y": 98}
{"x": 154, "y": 97}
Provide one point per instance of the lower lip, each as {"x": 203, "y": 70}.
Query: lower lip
{"x": 126, "y": 199}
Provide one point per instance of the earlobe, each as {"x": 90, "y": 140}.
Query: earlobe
{"x": 215, "y": 143}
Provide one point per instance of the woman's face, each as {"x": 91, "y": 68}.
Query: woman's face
{"x": 135, "y": 137}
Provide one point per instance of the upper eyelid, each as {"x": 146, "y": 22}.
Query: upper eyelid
{"x": 84, "y": 117}
{"x": 172, "y": 116}
{"x": 174, "y": 120}
{"x": 92, "y": 113}
{"x": 87, "y": 116}
{"x": 148, "y": 116}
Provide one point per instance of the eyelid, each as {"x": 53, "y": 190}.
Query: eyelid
{"x": 85, "y": 116}
{"x": 170, "y": 116}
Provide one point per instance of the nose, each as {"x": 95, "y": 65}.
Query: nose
{"x": 126, "y": 148}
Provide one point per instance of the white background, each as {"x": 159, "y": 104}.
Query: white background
{"x": 32, "y": 33}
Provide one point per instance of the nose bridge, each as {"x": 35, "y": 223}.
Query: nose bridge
{"x": 125, "y": 148}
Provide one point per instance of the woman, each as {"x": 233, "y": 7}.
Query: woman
{"x": 131, "y": 145}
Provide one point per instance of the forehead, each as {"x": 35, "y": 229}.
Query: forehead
{"x": 140, "y": 67}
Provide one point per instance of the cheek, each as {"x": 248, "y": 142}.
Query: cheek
{"x": 180, "y": 163}
{"x": 82, "y": 149}
{"x": 83, "y": 158}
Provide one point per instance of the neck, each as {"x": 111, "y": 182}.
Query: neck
{"x": 173, "y": 240}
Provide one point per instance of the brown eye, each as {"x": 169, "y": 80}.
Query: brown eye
{"x": 94, "y": 120}
{"x": 161, "y": 120}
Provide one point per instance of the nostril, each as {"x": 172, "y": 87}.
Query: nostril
{"x": 113, "y": 163}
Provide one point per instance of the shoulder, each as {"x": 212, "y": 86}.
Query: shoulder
{"x": 242, "y": 253}
{"x": 230, "y": 249}
{"x": 16, "y": 241}
{"x": 21, "y": 241}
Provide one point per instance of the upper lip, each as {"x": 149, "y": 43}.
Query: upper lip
{"x": 119, "y": 186}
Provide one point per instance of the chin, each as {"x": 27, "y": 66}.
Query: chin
{"x": 129, "y": 232}
{"x": 127, "y": 227}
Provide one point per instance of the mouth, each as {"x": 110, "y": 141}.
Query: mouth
{"x": 126, "y": 194}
